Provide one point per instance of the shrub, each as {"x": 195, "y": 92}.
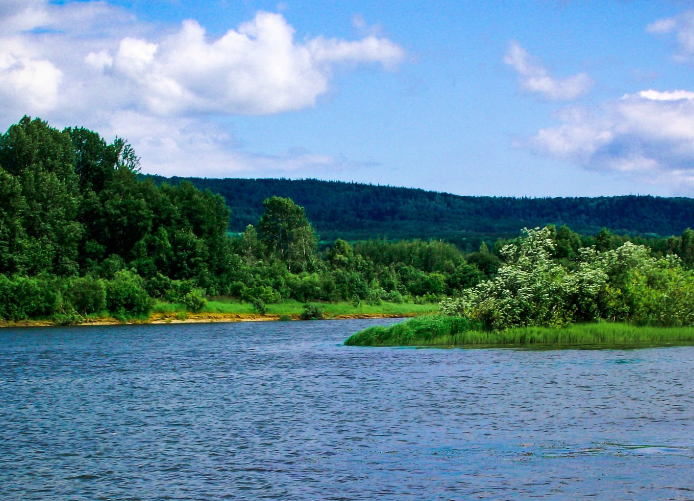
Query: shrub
{"x": 312, "y": 311}
{"x": 395, "y": 297}
{"x": 69, "y": 319}
{"x": 23, "y": 297}
{"x": 158, "y": 285}
{"x": 125, "y": 294}
{"x": 177, "y": 290}
{"x": 259, "y": 306}
{"x": 87, "y": 295}
{"x": 263, "y": 292}
{"x": 194, "y": 300}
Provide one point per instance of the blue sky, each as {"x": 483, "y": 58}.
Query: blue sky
{"x": 523, "y": 98}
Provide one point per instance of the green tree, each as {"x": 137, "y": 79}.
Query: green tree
{"x": 42, "y": 159}
{"x": 12, "y": 234}
{"x": 287, "y": 233}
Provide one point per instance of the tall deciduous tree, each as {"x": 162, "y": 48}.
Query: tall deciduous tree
{"x": 42, "y": 159}
{"x": 286, "y": 232}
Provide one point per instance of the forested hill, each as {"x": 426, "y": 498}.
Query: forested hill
{"x": 359, "y": 211}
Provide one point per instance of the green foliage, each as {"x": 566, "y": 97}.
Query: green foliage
{"x": 41, "y": 160}
{"x": 73, "y": 205}
{"x": 87, "y": 295}
{"x": 428, "y": 330}
{"x": 287, "y": 234}
{"x": 355, "y": 211}
{"x": 28, "y": 297}
{"x": 625, "y": 283}
{"x": 194, "y": 300}
{"x": 312, "y": 311}
{"x": 259, "y": 306}
{"x": 441, "y": 331}
{"x": 265, "y": 293}
{"x": 126, "y": 295}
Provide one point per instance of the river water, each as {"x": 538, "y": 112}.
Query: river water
{"x": 281, "y": 410}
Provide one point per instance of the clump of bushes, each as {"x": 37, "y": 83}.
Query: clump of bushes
{"x": 29, "y": 297}
{"x": 87, "y": 295}
{"x": 126, "y": 295}
{"x": 312, "y": 311}
{"x": 184, "y": 292}
{"x": 259, "y": 306}
{"x": 626, "y": 284}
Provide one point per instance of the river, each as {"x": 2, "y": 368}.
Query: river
{"x": 281, "y": 410}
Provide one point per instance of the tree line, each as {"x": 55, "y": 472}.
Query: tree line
{"x": 356, "y": 211}
{"x": 82, "y": 233}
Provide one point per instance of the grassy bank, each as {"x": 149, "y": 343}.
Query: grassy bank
{"x": 442, "y": 331}
{"x": 294, "y": 309}
{"x": 227, "y": 310}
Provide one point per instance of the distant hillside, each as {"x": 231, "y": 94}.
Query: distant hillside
{"x": 359, "y": 211}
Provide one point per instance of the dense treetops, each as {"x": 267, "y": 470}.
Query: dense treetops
{"x": 357, "y": 211}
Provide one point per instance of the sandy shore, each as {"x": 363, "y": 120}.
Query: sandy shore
{"x": 191, "y": 318}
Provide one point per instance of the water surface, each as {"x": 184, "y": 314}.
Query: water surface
{"x": 282, "y": 410}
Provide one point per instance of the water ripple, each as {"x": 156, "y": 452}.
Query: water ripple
{"x": 284, "y": 411}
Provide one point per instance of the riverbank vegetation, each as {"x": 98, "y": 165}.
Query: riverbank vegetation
{"x": 84, "y": 236}
{"x": 443, "y": 331}
{"x": 539, "y": 296}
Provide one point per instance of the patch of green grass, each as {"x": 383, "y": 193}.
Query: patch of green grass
{"x": 164, "y": 307}
{"x": 439, "y": 330}
{"x": 385, "y": 308}
{"x": 291, "y": 307}
{"x": 226, "y": 306}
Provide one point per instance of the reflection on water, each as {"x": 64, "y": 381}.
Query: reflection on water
{"x": 283, "y": 411}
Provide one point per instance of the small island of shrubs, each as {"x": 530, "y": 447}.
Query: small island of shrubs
{"x": 613, "y": 297}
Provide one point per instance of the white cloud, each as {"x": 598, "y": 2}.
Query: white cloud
{"x": 683, "y": 27}
{"x": 92, "y": 64}
{"x": 649, "y": 135}
{"x": 662, "y": 26}
{"x": 258, "y": 69}
{"x": 27, "y": 81}
{"x": 674, "y": 95}
{"x": 533, "y": 77}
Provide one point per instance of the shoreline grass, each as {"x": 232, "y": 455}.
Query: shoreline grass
{"x": 442, "y": 331}
{"x": 294, "y": 308}
{"x": 229, "y": 310}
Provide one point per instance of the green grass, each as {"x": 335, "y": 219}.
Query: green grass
{"x": 291, "y": 307}
{"x": 441, "y": 331}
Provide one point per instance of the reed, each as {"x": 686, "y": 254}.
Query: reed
{"x": 441, "y": 331}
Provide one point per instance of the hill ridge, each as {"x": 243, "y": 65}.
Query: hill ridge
{"x": 356, "y": 211}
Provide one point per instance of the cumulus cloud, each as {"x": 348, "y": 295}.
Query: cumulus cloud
{"x": 649, "y": 135}
{"x": 93, "y": 64}
{"x": 533, "y": 77}
{"x": 27, "y": 81}
{"x": 683, "y": 28}
{"x": 258, "y": 69}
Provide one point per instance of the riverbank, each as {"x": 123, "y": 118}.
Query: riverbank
{"x": 442, "y": 331}
{"x": 236, "y": 311}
